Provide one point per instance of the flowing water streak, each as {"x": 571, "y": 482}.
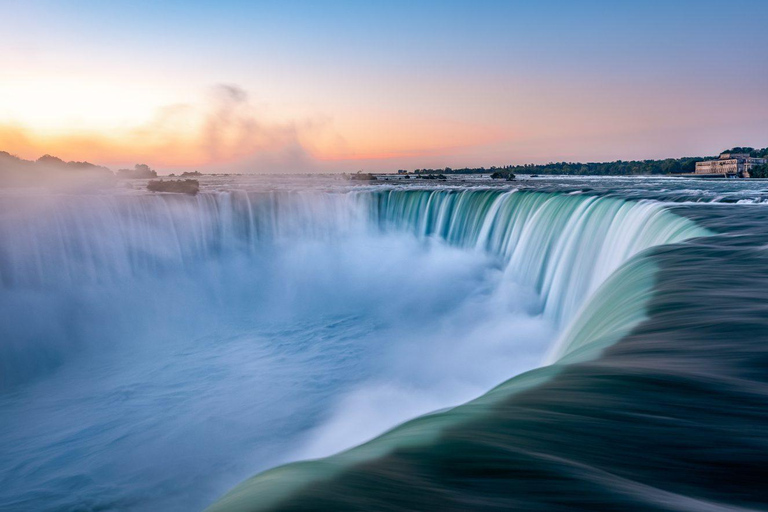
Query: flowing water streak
{"x": 568, "y": 247}
{"x": 564, "y": 246}
{"x": 111, "y": 238}
{"x": 576, "y": 251}
{"x": 615, "y": 309}
{"x": 61, "y": 255}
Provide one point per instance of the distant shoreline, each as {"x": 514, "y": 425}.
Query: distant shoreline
{"x": 15, "y": 171}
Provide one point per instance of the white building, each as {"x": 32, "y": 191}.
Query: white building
{"x": 729, "y": 164}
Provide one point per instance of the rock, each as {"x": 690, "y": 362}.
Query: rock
{"x": 503, "y": 175}
{"x": 191, "y": 187}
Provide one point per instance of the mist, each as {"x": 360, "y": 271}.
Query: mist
{"x": 219, "y": 361}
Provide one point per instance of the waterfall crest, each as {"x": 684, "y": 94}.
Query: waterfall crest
{"x": 134, "y": 298}
{"x": 563, "y": 246}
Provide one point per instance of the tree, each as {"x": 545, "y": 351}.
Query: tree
{"x": 760, "y": 171}
{"x": 738, "y": 149}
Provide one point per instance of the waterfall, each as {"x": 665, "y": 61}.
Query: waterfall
{"x": 314, "y": 319}
{"x": 584, "y": 256}
{"x": 563, "y": 246}
{"x": 67, "y": 240}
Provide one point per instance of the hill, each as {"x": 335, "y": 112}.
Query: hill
{"x": 49, "y": 171}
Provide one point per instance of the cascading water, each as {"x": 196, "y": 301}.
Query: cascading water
{"x": 169, "y": 321}
{"x": 564, "y": 246}
{"x": 543, "y": 239}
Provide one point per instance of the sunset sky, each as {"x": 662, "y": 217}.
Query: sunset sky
{"x": 336, "y": 86}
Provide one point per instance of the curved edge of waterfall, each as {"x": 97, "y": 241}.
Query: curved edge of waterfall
{"x": 585, "y": 255}
{"x": 75, "y": 248}
{"x": 617, "y": 307}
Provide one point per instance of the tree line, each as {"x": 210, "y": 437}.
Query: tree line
{"x": 619, "y": 167}
{"x": 616, "y": 168}
{"x": 755, "y": 153}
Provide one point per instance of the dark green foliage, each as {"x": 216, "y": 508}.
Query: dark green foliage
{"x": 755, "y": 153}
{"x": 738, "y": 149}
{"x": 761, "y": 171}
{"x": 619, "y": 168}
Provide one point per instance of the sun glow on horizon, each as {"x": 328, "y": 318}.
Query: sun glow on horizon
{"x": 111, "y": 124}
{"x": 53, "y": 104}
{"x": 452, "y": 84}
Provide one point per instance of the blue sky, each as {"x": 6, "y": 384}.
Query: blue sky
{"x": 383, "y": 84}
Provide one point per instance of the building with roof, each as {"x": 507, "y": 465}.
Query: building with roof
{"x": 729, "y": 165}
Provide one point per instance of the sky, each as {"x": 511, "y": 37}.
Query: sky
{"x": 293, "y": 86}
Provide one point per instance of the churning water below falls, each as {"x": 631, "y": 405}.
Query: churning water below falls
{"x": 549, "y": 344}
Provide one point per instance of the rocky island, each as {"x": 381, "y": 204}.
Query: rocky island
{"x": 191, "y": 187}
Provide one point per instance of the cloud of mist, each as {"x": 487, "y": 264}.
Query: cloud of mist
{"x": 224, "y": 132}
{"x": 233, "y": 131}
